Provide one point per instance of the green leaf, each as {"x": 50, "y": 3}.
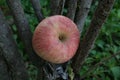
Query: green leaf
{"x": 116, "y": 72}
{"x": 100, "y": 43}
{"x": 119, "y": 13}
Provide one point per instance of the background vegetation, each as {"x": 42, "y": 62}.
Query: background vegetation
{"x": 107, "y": 43}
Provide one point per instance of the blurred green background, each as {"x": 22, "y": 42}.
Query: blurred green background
{"x": 107, "y": 43}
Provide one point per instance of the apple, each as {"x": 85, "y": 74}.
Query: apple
{"x": 56, "y": 39}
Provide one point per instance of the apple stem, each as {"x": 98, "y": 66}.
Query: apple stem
{"x": 62, "y": 37}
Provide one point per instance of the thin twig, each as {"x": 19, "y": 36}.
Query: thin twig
{"x": 99, "y": 63}
{"x": 37, "y": 9}
{"x": 115, "y": 57}
{"x": 95, "y": 76}
{"x": 85, "y": 46}
{"x": 61, "y": 6}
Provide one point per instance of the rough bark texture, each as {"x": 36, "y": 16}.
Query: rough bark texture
{"x": 71, "y": 8}
{"x": 57, "y": 6}
{"x": 4, "y": 72}
{"x": 37, "y": 9}
{"x": 82, "y": 13}
{"x": 23, "y": 29}
{"x": 8, "y": 50}
{"x": 98, "y": 19}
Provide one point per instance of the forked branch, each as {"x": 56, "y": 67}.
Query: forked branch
{"x": 24, "y": 31}
{"x": 23, "y": 28}
{"x": 9, "y": 51}
{"x": 85, "y": 46}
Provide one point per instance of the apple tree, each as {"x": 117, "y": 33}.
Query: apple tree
{"x": 12, "y": 64}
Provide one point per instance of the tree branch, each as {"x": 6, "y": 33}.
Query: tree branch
{"x": 71, "y": 8}
{"x": 99, "y": 18}
{"x": 4, "y": 73}
{"x": 10, "y": 21}
{"x": 54, "y": 6}
{"x": 99, "y": 63}
{"x": 37, "y": 9}
{"x": 57, "y": 6}
{"x": 82, "y": 13}
{"x": 10, "y": 52}
{"x": 24, "y": 31}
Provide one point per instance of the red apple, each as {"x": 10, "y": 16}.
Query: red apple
{"x": 56, "y": 39}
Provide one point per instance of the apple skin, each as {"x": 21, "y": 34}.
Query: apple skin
{"x": 56, "y": 39}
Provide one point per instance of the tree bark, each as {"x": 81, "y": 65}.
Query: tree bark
{"x": 37, "y": 9}
{"x": 57, "y": 6}
{"x": 8, "y": 50}
{"x": 81, "y": 14}
{"x": 24, "y": 32}
{"x": 4, "y": 72}
{"x": 23, "y": 29}
{"x": 98, "y": 19}
{"x": 71, "y": 8}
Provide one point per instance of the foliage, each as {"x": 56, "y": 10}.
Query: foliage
{"x": 107, "y": 43}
